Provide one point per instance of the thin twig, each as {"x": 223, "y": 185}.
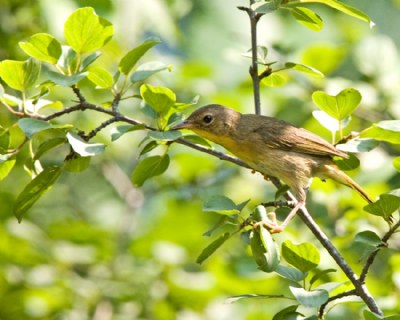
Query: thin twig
{"x": 335, "y": 297}
{"x": 371, "y": 258}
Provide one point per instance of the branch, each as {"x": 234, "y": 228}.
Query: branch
{"x": 372, "y": 256}
{"x": 254, "y": 18}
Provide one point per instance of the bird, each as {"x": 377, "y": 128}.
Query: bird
{"x": 274, "y": 148}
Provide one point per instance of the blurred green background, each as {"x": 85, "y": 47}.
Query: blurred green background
{"x": 95, "y": 247}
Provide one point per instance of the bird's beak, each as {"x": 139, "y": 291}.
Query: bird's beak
{"x": 182, "y": 125}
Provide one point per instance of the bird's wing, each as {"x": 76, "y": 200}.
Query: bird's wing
{"x": 282, "y": 135}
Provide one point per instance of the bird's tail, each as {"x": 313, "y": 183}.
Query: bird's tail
{"x": 336, "y": 174}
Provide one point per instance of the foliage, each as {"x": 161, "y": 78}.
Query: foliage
{"x": 48, "y": 138}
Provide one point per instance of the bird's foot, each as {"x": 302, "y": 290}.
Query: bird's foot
{"x": 271, "y": 223}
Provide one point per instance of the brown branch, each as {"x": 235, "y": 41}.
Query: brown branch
{"x": 335, "y": 297}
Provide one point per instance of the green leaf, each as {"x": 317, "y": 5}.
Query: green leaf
{"x": 212, "y": 247}
{"x": 146, "y": 70}
{"x": 65, "y": 80}
{"x": 358, "y": 145}
{"x": 85, "y": 31}
{"x": 6, "y": 165}
{"x": 288, "y": 313}
{"x": 384, "y": 206}
{"x": 221, "y": 205}
{"x": 290, "y": 273}
{"x": 164, "y": 135}
{"x": 304, "y": 69}
{"x": 48, "y": 145}
{"x": 100, "y": 77}
{"x": 368, "y": 238}
{"x": 310, "y": 299}
{"x": 148, "y": 147}
{"x": 345, "y": 8}
{"x": 320, "y": 274}
{"x": 339, "y": 106}
{"x": 159, "y": 98}
{"x": 396, "y": 163}
{"x": 84, "y": 148}
{"x": 68, "y": 59}
{"x": 347, "y": 164}
{"x": 129, "y": 61}
{"x": 43, "y": 47}
{"x": 380, "y": 134}
{"x": 77, "y": 163}
{"x": 304, "y": 256}
{"x": 368, "y": 315}
{"x": 275, "y": 79}
{"x": 31, "y": 126}
{"x": 265, "y": 250}
{"x": 253, "y": 296}
{"x": 197, "y": 140}
{"x": 266, "y": 7}
{"x": 118, "y": 132}
{"x": 36, "y": 189}
{"x": 307, "y": 18}
{"x": 148, "y": 168}
{"x": 19, "y": 75}
{"x": 89, "y": 60}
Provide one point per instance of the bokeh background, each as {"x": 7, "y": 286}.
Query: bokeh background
{"x": 95, "y": 247}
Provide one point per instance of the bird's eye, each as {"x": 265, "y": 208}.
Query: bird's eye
{"x": 207, "y": 119}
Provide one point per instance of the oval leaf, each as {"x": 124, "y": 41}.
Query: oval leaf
{"x": 65, "y": 80}
{"x": 307, "y": 18}
{"x": 304, "y": 69}
{"x": 290, "y": 273}
{"x": 129, "y": 61}
{"x": 310, "y": 299}
{"x": 6, "y": 166}
{"x": 149, "y": 167}
{"x": 19, "y": 75}
{"x": 85, "y": 31}
{"x": 43, "y": 47}
{"x": 275, "y": 79}
{"x": 330, "y": 123}
{"x": 212, "y": 247}
{"x": 100, "y": 77}
{"x": 358, "y": 145}
{"x": 304, "y": 256}
{"x": 265, "y": 250}
{"x": 35, "y": 189}
{"x": 384, "y": 206}
{"x": 164, "y": 135}
{"x": 339, "y": 106}
{"x": 159, "y": 98}
{"x": 148, "y": 69}
{"x": 31, "y": 126}
{"x": 221, "y": 205}
{"x": 82, "y": 147}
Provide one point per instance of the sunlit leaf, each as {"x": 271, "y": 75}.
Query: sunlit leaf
{"x": 85, "y": 31}
{"x": 388, "y": 131}
{"x": 253, "y": 296}
{"x": 43, "y": 47}
{"x": 304, "y": 256}
{"x": 35, "y": 189}
{"x": 6, "y": 165}
{"x": 129, "y": 61}
{"x": 339, "y": 106}
{"x": 159, "y": 98}
{"x": 197, "y": 140}
{"x": 148, "y": 168}
{"x": 212, "y": 247}
{"x": 19, "y": 75}
{"x": 323, "y": 57}
{"x": 311, "y": 299}
{"x": 84, "y": 148}
{"x": 275, "y": 79}
{"x": 100, "y": 77}
{"x": 396, "y": 163}
{"x": 307, "y": 18}
{"x": 304, "y": 69}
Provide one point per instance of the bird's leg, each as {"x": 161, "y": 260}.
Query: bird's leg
{"x": 273, "y": 226}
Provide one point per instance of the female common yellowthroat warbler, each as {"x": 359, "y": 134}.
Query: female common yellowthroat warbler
{"x": 274, "y": 148}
